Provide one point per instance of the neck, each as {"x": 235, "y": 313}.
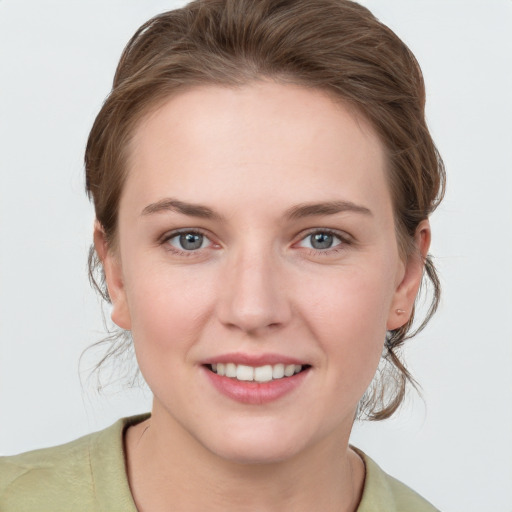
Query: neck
{"x": 170, "y": 470}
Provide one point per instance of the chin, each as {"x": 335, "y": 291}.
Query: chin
{"x": 255, "y": 453}
{"x": 257, "y": 445}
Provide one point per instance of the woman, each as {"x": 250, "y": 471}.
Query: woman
{"x": 262, "y": 177}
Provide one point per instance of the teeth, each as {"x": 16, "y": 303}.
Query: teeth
{"x": 230, "y": 370}
{"x": 263, "y": 373}
{"x": 244, "y": 372}
{"x": 278, "y": 371}
{"x": 258, "y": 374}
{"x": 289, "y": 370}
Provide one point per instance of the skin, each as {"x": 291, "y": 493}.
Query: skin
{"x": 257, "y": 285}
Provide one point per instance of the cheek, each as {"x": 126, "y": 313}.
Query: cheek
{"x": 168, "y": 309}
{"x": 348, "y": 316}
{"x": 355, "y": 297}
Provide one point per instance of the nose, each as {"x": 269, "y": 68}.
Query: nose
{"x": 254, "y": 295}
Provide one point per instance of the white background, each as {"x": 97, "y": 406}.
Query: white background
{"x": 56, "y": 64}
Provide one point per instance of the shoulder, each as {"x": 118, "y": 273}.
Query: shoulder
{"x": 30, "y": 480}
{"x": 66, "y": 477}
{"x": 383, "y": 493}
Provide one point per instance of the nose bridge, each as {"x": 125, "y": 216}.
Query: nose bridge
{"x": 254, "y": 297}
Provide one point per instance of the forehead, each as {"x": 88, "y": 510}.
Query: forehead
{"x": 257, "y": 140}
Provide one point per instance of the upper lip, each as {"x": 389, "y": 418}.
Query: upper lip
{"x": 253, "y": 359}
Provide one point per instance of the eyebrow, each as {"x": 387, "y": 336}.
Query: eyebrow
{"x": 296, "y": 212}
{"x": 328, "y": 208}
{"x": 173, "y": 205}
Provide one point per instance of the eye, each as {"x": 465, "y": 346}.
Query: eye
{"x": 320, "y": 240}
{"x": 188, "y": 241}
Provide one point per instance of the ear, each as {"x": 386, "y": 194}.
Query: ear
{"x": 408, "y": 287}
{"x": 114, "y": 278}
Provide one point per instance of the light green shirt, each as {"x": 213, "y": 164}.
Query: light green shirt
{"x": 89, "y": 475}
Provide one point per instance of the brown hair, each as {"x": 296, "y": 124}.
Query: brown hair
{"x": 334, "y": 45}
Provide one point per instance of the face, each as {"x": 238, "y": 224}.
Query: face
{"x": 257, "y": 267}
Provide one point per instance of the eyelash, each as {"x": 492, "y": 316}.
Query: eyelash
{"x": 182, "y": 252}
{"x": 344, "y": 242}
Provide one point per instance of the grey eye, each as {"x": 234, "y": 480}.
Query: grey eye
{"x": 321, "y": 240}
{"x": 191, "y": 241}
{"x": 188, "y": 241}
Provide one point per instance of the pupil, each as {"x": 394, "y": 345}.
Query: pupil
{"x": 190, "y": 241}
{"x": 321, "y": 240}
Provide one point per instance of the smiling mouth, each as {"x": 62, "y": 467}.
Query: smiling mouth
{"x": 266, "y": 373}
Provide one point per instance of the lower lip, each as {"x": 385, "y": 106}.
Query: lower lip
{"x": 256, "y": 393}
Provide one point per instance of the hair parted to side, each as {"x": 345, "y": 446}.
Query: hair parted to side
{"x": 333, "y": 45}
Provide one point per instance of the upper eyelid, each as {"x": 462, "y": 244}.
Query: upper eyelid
{"x": 342, "y": 235}
{"x": 335, "y": 236}
{"x": 175, "y": 232}
{"x": 164, "y": 240}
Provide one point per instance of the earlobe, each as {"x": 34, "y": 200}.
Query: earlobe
{"x": 114, "y": 278}
{"x": 406, "y": 291}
